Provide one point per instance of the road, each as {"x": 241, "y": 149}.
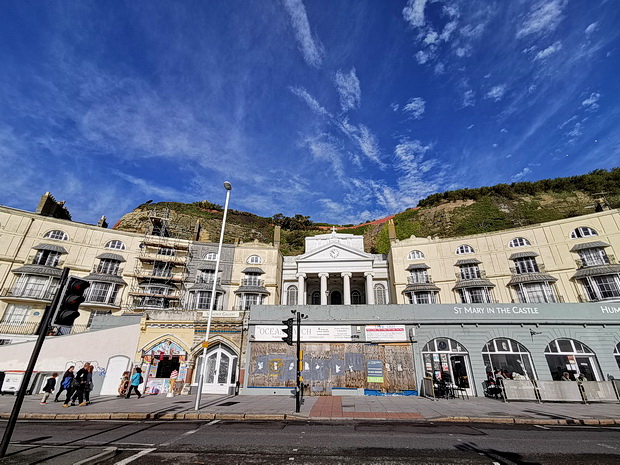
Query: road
{"x": 274, "y": 442}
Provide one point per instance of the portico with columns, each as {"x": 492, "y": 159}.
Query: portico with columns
{"x": 335, "y": 270}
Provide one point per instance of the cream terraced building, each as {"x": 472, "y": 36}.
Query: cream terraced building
{"x": 570, "y": 260}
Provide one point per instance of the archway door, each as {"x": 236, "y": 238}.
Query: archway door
{"x": 448, "y": 360}
{"x": 221, "y": 373}
{"x": 572, "y": 357}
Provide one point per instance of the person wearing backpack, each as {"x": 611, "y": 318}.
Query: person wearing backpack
{"x": 65, "y": 384}
{"x": 136, "y": 380}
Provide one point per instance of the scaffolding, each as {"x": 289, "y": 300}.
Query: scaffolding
{"x": 161, "y": 268}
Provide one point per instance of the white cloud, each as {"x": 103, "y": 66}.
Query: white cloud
{"x": 591, "y": 102}
{"x": 394, "y": 106}
{"x": 569, "y": 120}
{"x": 591, "y": 28}
{"x": 348, "y": 86}
{"x": 576, "y": 131}
{"x": 494, "y": 146}
{"x": 310, "y": 46}
{"x": 365, "y": 140}
{"x": 310, "y": 100}
{"x": 440, "y": 68}
{"x": 448, "y": 29}
{"x": 543, "y": 17}
{"x": 414, "y": 12}
{"x": 509, "y": 155}
{"x": 543, "y": 54}
{"x": 415, "y": 107}
{"x": 469, "y": 99}
{"x": 423, "y": 56}
{"x": 431, "y": 38}
{"x": 496, "y": 93}
{"x": 504, "y": 130}
{"x": 521, "y": 174}
{"x": 327, "y": 152}
{"x": 470, "y": 126}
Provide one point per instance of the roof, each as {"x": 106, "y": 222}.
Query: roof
{"x": 106, "y": 278}
{"x": 596, "y": 271}
{"x": 473, "y": 283}
{"x": 589, "y": 245}
{"x": 420, "y": 287}
{"x": 527, "y": 254}
{"x": 252, "y": 290}
{"x": 52, "y": 247}
{"x": 468, "y": 261}
{"x": 253, "y": 269}
{"x": 418, "y": 266}
{"x": 206, "y": 287}
{"x": 111, "y": 256}
{"x": 39, "y": 270}
{"x": 532, "y": 278}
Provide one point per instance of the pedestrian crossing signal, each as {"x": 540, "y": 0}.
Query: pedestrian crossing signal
{"x": 288, "y": 331}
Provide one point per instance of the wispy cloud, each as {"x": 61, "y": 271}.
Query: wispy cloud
{"x": 543, "y": 18}
{"x": 546, "y": 53}
{"x": 310, "y": 100}
{"x": 469, "y": 98}
{"x": 348, "y": 86}
{"x": 310, "y": 46}
{"x": 521, "y": 174}
{"x": 496, "y": 93}
{"x": 591, "y": 28}
{"x": 415, "y": 107}
{"x": 591, "y": 103}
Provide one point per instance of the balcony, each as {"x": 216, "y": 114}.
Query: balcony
{"x": 99, "y": 269}
{"x": 30, "y": 329}
{"x": 596, "y": 261}
{"x": 253, "y": 282}
{"x": 26, "y": 293}
{"x": 419, "y": 280}
{"x": 207, "y": 280}
{"x": 103, "y": 300}
{"x": 527, "y": 269}
{"x": 470, "y": 274}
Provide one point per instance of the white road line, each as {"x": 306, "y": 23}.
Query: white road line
{"x": 213, "y": 422}
{"x": 541, "y": 426}
{"x": 187, "y": 433}
{"x": 135, "y": 456}
{"x": 607, "y": 446}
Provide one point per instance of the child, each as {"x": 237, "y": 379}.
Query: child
{"x": 50, "y": 385}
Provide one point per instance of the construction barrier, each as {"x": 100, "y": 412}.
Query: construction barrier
{"x": 519, "y": 390}
{"x": 559, "y": 391}
{"x": 599, "y": 391}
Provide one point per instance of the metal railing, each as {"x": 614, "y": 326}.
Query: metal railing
{"x": 253, "y": 282}
{"x": 596, "y": 261}
{"x": 207, "y": 280}
{"x": 419, "y": 280}
{"x": 42, "y": 294}
{"x": 102, "y": 299}
{"x": 468, "y": 274}
{"x": 99, "y": 269}
{"x": 8, "y": 327}
{"x": 528, "y": 269}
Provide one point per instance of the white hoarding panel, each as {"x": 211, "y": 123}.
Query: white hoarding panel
{"x": 308, "y": 333}
{"x": 386, "y": 333}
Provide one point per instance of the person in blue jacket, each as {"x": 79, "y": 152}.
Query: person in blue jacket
{"x": 136, "y": 380}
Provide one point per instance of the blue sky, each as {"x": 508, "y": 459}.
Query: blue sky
{"x": 341, "y": 110}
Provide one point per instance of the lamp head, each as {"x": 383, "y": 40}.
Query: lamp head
{"x": 227, "y": 186}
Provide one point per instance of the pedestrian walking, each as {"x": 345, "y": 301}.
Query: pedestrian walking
{"x": 65, "y": 383}
{"x": 89, "y": 384}
{"x": 136, "y": 380}
{"x": 50, "y": 386}
{"x": 78, "y": 385}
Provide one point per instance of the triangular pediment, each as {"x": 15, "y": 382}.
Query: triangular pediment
{"x": 334, "y": 253}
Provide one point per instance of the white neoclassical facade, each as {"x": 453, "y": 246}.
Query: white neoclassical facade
{"x": 335, "y": 270}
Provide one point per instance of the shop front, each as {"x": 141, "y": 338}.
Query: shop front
{"x": 164, "y": 367}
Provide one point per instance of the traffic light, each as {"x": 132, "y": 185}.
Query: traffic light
{"x": 288, "y": 331}
{"x": 72, "y": 297}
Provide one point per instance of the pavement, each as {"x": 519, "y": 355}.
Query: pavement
{"x": 388, "y": 408}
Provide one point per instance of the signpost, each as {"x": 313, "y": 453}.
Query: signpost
{"x": 288, "y": 338}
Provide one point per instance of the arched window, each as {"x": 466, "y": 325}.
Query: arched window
{"x": 117, "y": 245}
{"x": 583, "y": 231}
{"x": 464, "y": 249}
{"x": 509, "y": 355}
{"x": 57, "y": 234}
{"x": 212, "y": 256}
{"x": 447, "y": 360}
{"x": 572, "y": 357}
{"x": 291, "y": 295}
{"x": 316, "y": 298}
{"x": 380, "y": 294}
{"x": 617, "y": 354}
{"x": 519, "y": 242}
{"x": 415, "y": 255}
{"x": 356, "y": 297}
{"x": 255, "y": 260}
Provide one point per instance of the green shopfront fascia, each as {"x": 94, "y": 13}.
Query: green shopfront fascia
{"x": 464, "y": 343}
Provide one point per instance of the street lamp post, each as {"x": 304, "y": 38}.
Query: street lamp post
{"x": 205, "y": 344}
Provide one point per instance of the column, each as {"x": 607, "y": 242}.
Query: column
{"x": 324, "y": 290}
{"x": 301, "y": 288}
{"x": 346, "y": 284}
{"x": 370, "y": 291}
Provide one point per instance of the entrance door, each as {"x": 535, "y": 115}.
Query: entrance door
{"x": 460, "y": 372}
{"x": 336, "y": 298}
{"x": 221, "y": 372}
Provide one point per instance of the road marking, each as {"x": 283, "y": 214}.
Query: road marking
{"x": 540, "y": 426}
{"x": 213, "y": 422}
{"x": 187, "y": 433}
{"x": 607, "y": 446}
{"x": 135, "y": 456}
